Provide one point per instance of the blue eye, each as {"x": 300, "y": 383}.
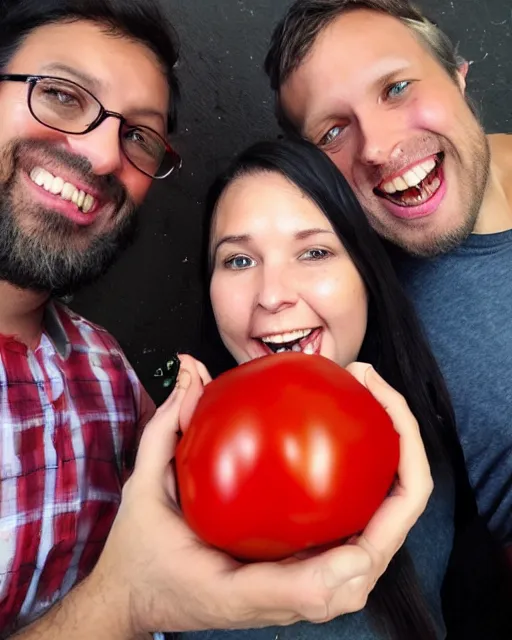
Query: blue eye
{"x": 397, "y": 89}
{"x": 315, "y": 254}
{"x": 331, "y": 136}
{"x": 239, "y": 262}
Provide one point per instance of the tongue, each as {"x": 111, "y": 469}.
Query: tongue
{"x": 294, "y": 347}
{"x": 417, "y": 195}
{"x": 285, "y": 346}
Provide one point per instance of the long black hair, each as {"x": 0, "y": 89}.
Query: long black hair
{"x": 394, "y": 344}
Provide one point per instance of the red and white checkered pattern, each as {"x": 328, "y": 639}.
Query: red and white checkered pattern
{"x": 69, "y": 428}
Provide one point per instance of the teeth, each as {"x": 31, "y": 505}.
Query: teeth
{"x": 88, "y": 202}
{"x": 279, "y": 338}
{"x": 428, "y": 165}
{"x": 56, "y": 186}
{"x": 400, "y": 184}
{"x": 411, "y": 178}
{"x": 48, "y": 181}
{"x": 67, "y": 191}
{"x": 37, "y": 176}
{"x": 309, "y": 350}
{"x": 389, "y": 187}
{"x": 420, "y": 172}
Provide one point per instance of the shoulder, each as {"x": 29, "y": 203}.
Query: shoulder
{"x": 501, "y": 154}
{"x": 501, "y": 147}
{"x": 77, "y": 326}
{"x": 96, "y": 338}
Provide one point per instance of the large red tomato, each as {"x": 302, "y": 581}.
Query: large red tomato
{"x": 284, "y": 453}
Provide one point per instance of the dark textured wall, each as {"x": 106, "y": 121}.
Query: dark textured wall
{"x": 150, "y": 299}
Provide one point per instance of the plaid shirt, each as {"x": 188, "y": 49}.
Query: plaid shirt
{"x": 70, "y": 419}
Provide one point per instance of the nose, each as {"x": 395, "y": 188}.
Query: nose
{"x": 101, "y": 147}
{"x": 277, "y": 289}
{"x": 379, "y": 138}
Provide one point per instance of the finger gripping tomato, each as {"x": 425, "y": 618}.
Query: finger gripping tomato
{"x": 284, "y": 453}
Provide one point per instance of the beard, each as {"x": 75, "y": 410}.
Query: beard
{"x": 475, "y": 186}
{"x": 473, "y": 181}
{"x": 48, "y": 252}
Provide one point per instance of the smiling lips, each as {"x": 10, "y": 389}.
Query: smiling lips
{"x": 66, "y": 190}
{"x": 300, "y": 340}
{"x": 415, "y": 186}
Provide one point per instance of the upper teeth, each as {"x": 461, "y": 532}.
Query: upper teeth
{"x": 410, "y": 178}
{"x": 279, "y": 338}
{"x": 66, "y": 190}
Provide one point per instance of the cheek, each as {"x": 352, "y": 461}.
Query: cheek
{"x": 344, "y": 160}
{"x": 434, "y": 114}
{"x": 327, "y": 290}
{"x": 17, "y": 122}
{"x": 346, "y": 304}
{"x": 231, "y": 308}
{"x": 136, "y": 183}
{"x": 337, "y": 288}
{"x": 353, "y": 309}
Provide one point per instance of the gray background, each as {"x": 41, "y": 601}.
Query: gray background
{"x": 150, "y": 299}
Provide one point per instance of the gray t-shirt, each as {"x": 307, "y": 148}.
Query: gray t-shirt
{"x": 464, "y": 300}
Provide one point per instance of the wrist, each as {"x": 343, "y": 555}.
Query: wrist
{"x": 109, "y": 606}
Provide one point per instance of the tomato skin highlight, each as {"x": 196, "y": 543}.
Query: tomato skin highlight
{"x": 284, "y": 453}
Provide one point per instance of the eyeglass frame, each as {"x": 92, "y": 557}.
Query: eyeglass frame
{"x": 31, "y": 80}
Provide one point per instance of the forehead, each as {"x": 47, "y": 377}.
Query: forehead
{"x": 353, "y": 52}
{"x": 265, "y": 203}
{"x": 115, "y": 64}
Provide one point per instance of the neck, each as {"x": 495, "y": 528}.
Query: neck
{"x": 496, "y": 211}
{"x": 21, "y": 313}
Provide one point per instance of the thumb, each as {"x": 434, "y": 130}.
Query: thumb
{"x": 393, "y": 402}
{"x": 305, "y": 587}
{"x": 189, "y": 404}
{"x": 158, "y": 441}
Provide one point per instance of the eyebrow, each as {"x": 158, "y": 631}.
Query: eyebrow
{"x": 94, "y": 85}
{"x": 148, "y": 112}
{"x": 59, "y": 67}
{"x": 246, "y": 238}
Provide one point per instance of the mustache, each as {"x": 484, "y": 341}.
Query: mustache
{"x": 109, "y": 186}
{"x": 405, "y": 154}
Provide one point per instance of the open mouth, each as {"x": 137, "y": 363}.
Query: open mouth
{"x": 306, "y": 341}
{"x": 415, "y": 186}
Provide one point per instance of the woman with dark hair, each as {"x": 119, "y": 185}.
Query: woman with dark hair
{"x": 292, "y": 264}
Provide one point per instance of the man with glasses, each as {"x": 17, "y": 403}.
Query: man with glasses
{"x": 71, "y": 176}
{"x": 87, "y": 100}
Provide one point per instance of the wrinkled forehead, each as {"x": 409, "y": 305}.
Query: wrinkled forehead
{"x": 111, "y": 65}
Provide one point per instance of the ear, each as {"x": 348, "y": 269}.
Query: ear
{"x": 462, "y": 72}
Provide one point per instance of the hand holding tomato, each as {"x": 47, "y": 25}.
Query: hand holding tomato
{"x": 156, "y": 574}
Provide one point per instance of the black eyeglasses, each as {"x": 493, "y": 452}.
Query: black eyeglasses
{"x": 65, "y": 106}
